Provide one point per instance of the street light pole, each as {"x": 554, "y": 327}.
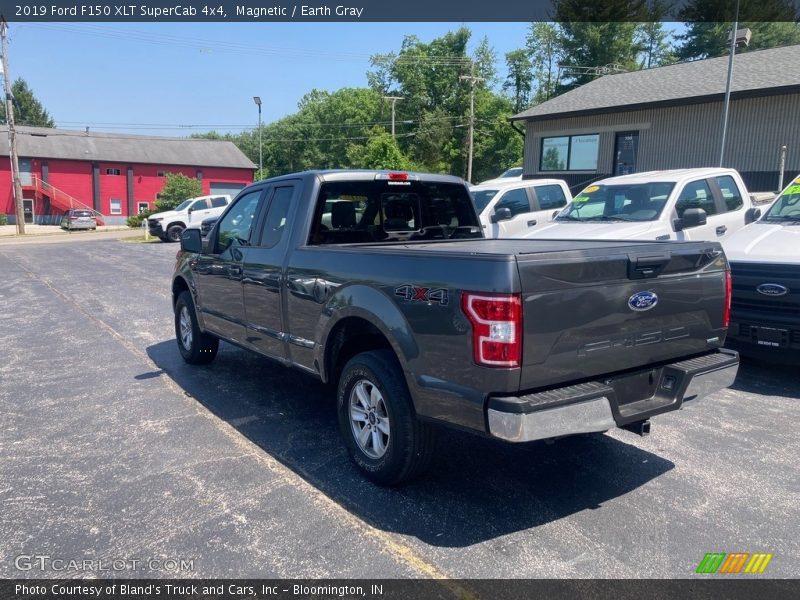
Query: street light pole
{"x": 736, "y": 37}
{"x": 394, "y": 99}
{"x": 257, "y": 100}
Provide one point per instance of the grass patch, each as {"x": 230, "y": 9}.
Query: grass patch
{"x": 139, "y": 239}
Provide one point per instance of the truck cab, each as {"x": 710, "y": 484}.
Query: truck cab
{"x": 682, "y": 204}
{"x": 765, "y": 264}
{"x": 511, "y": 208}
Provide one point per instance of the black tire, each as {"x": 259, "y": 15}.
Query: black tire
{"x": 410, "y": 443}
{"x": 174, "y": 233}
{"x": 198, "y": 348}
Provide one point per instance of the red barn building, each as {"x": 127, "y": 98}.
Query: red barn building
{"x": 117, "y": 175}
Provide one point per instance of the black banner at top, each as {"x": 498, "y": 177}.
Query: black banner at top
{"x": 405, "y": 11}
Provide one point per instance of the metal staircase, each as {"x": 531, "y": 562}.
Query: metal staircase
{"x": 59, "y": 200}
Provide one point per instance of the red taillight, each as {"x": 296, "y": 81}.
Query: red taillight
{"x": 496, "y": 328}
{"x": 398, "y": 176}
{"x": 726, "y": 314}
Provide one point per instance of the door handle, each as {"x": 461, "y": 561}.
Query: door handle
{"x": 234, "y": 270}
{"x": 721, "y": 230}
{"x": 532, "y": 222}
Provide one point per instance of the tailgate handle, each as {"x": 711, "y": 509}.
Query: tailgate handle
{"x": 645, "y": 267}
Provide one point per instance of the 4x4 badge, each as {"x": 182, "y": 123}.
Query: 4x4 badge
{"x": 421, "y": 294}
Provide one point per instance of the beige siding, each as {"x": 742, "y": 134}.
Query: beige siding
{"x": 688, "y": 136}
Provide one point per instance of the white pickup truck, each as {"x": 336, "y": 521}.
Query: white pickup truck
{"x": 169, "y": 225}
{"x": 765, "y": 265}
{"x": 681, "y": 204}
{"x": 510, "y": 208}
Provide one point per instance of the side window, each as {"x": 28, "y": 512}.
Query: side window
{"x": 200, "y": 205}
{"x": 550, "y": 197}
{"x": 696, "y": 194}
{"x": 218, "y": 202}
{"x": 516, "y": 201}
{"x": 730, "y": 193}
{"x": 275, "y": 223}
{"x": 234, "y": 229}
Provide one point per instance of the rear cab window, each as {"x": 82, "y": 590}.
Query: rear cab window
{"x": 350, "y": 212}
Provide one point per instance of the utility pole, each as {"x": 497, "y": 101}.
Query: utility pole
{"x": 12, "y": 134}
{"x": 394, "y": 99}
{"x": 472, "y": 79}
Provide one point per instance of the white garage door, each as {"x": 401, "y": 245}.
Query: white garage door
{"x": 222, "y": 187}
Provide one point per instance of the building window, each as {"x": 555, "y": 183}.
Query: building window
{"x": 113, "y": 172}
{"x": 142, "y": 207}
{"x": 161, "y": 174}
{"x": 570, "y": 153}
{"x": 116, "y": 206}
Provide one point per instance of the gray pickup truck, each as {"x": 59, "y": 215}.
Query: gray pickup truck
{"x": 381, "y": 284}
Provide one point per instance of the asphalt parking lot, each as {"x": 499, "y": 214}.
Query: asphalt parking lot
{"x": 112, "y": 448}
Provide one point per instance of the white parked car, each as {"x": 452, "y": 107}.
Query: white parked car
{"x": 511, "y": 208}
{"x": 512, "y": 174}
{"x": 169, "y": 225}
{"x": 765, "y": 265}
{"x": 681, "y": 204}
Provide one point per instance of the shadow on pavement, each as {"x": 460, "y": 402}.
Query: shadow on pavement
{"x": 758, "y": 376}
{"x": 478, "y": 489}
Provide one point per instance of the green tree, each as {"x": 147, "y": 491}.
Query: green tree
{"x": 709, "y": 22}
{"x": 543, "y": 46}
{"x": 380, "y": 152}
{"x": 599, "y": 36}
{"x": 519, "y": 80}
{"x": 177, "y": 188}
{"x": 27, "y": 108}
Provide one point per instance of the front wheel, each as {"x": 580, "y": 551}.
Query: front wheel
{"x": 174, "y": 233}
{"x": 385, "y": 439}
{"x": 196, "y": 347}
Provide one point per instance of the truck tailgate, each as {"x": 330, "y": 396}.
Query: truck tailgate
{"x": 600, "y": 311}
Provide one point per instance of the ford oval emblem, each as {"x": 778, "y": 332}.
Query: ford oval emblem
{"x": 772, "y": 289}
{"x": 642, "y": 301}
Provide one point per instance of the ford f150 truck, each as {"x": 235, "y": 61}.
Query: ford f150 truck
{"x": 400, "y": 303}
{"x": 681, "y": 204}
{"x": 765, "y": 264}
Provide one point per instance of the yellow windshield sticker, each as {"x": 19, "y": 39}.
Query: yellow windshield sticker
{"x": 791, "y": 190}
{"x": 797, "y": 180}
{"x": 591, "y": 188}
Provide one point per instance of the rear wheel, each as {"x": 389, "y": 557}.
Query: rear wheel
{"x": 196, "y": 347}
{"x": 385, "y": 439}
{"x": 174, "y": 233}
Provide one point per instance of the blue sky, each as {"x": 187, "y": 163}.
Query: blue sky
{"x": 205, "y": 74}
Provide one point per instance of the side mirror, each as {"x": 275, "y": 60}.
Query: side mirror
{"x": 501, "y": 214}
{"x": 190, "y": 210}
{"x": 191, "y": 241}
{"x": 692, "y": 217}
{"x": 751, "y": 215}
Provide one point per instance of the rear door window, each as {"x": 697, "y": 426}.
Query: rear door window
{"x": 550, "y": 197}
{"x": 731, "y": 195}
{"x": 218, "y": 202}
